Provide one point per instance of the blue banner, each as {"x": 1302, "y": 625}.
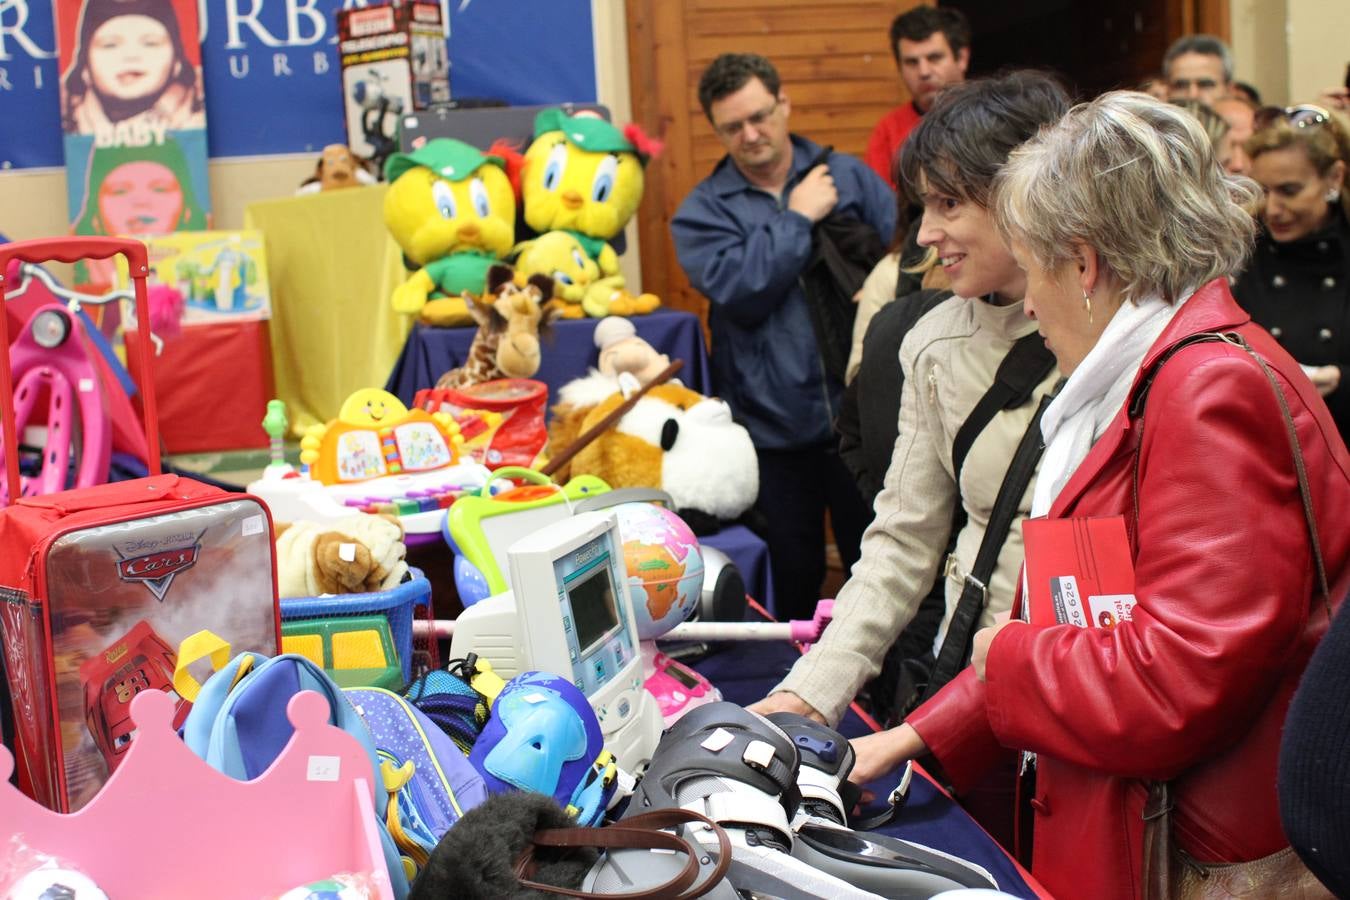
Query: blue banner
{"x": 271, "y": 69}
{"x": 30, "y": 96}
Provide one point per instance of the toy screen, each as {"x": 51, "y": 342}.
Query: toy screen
{"x": 359, "y": 456}
{"x": 421, "y": 447}
{"x": 594, "y": 609}
{"x": 594, "y": 615}
{"x": 683, "y": 677}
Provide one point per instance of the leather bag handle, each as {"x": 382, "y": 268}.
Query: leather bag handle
{"x": 1305, "y": 493}
{"x": 1159, "y": 847}
{"x": 643, "y": 831}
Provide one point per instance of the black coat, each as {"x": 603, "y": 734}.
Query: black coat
{"x": 844, "y": 249}
{"x": 869, "y": 415}
{"x": 1314, "y": 774}
{"x": 1300, "y": 292}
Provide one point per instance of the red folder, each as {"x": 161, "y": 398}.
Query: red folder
{"x": 1079, "y": 571}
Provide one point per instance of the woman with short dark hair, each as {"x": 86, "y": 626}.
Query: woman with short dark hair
{"x": 949, "y": 359}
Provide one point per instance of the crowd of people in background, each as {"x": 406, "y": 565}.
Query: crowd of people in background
{"x": 1138, "y": 306}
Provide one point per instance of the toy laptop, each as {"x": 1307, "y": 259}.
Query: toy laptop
{"x": 101, "y": 587}
{"x": 479, "y": 530}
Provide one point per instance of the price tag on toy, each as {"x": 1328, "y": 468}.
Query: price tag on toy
{"x": 323, "y": 768}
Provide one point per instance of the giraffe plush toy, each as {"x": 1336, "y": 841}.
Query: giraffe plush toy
{"x": 511, "y": 319}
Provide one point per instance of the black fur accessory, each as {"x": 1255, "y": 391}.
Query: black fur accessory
{"x": 477, "y": 857}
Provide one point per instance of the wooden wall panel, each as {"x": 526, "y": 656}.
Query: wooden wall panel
{"x": 836, "y": 68}
{"x": 838, "y": 71}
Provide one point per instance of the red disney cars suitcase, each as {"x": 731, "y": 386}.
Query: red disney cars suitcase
{"x": 111, "y": 590}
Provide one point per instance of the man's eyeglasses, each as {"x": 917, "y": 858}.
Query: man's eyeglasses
{"x": 1305, "y": 116}
{"x": 729, "y": 130}
{"x": 1182, "y": 85}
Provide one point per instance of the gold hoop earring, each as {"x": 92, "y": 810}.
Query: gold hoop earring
{"x": 1087, "y": 304}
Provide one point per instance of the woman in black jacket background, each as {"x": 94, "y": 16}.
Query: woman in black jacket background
{"x": 1297, "y": 284}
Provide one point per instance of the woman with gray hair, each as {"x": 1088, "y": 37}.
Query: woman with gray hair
{"x": 1188, "y": 421}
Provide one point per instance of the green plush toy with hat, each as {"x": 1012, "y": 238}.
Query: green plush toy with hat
{"x": 452, "y": 209}
{"x": 584, "y": 176}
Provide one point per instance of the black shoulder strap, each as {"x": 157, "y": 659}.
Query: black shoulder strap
{"x": 1024, "y": 367}
{"x": 951, "y": 658}
{"x": 907, "y": 310}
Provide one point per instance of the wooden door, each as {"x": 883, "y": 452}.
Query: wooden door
{"x": 835, "y": 63}
{"x": 1094, "y": 45}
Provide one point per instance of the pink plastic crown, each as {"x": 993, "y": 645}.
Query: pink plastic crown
{"x": 166, "y": 825}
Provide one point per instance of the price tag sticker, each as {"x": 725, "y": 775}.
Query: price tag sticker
{"x": 323, "y": 768}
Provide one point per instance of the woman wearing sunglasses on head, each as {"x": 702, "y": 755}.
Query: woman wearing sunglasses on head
{"x": 1298, "y": 281}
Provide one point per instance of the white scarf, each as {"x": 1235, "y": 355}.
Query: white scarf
{"x": 1095, "y": 392}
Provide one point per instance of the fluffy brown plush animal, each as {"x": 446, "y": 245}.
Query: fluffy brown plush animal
{"x": 356, "y": 554}
{"x": 674, "y": 439}
{"x": 338, "y": 167}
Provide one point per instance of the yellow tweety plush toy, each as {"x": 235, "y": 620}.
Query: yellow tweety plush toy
{"x": 584, "y": 176}
{"x": 452, "y": 210}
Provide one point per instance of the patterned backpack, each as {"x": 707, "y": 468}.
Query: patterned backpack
{"x": 429, "y": 780}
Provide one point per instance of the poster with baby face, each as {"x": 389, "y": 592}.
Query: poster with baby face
{"x": 134, "y": 118}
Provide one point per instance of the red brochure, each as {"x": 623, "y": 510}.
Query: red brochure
{"x": 1078, "y": 571}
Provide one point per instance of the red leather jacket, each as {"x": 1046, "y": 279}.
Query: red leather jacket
{"x": 1196, "y": 687}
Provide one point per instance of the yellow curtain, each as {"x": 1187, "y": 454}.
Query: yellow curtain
{"x": 332, "y": 267}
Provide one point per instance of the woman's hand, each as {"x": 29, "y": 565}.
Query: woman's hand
{"x": 1335, "y": 98}
{"x": 1325, "y": 378}
{"x": 885, "y": 751}
{"x": 979, "y": 653}
{"x": 786, "y": 701}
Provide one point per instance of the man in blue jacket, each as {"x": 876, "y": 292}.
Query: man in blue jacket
{"x": 743, "y": 237}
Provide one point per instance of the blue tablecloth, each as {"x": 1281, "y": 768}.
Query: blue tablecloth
{"x": 744, "y": 673}
{"x": 750, "y": 555}
{"x": 431, "y": 352}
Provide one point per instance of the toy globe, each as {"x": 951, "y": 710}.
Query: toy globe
{"x": 665, "y": 567}
{"x": 665, "y": 583}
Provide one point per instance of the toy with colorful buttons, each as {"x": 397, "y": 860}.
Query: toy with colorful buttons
{"x": 377, "y": 456}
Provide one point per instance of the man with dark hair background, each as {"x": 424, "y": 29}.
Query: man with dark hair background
{"x": 745, "y": 236}
{"x": 1198, "y": 67}
{"x": 931, "y": 46}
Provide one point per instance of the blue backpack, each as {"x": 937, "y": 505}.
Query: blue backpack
{"x": 430, "y": 781}
{"x": 238, "y": 725}
{"x": 452, "y": 705}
